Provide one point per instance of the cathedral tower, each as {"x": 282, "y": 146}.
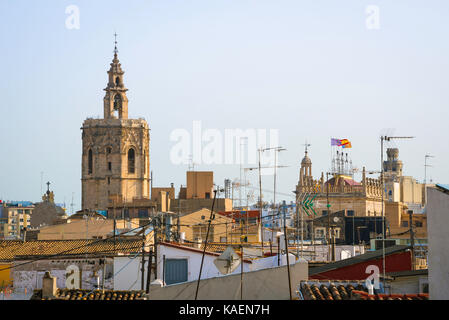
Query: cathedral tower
{"x": 115, "y": 155}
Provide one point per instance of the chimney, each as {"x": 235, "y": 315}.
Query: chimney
{"x": 48, "y": 286}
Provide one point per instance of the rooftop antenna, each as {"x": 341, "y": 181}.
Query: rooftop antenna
{"x": 191, "y": 163}
{"x": 42, "y": 180}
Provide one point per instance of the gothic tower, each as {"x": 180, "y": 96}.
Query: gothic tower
{"x": 115, "y": 155}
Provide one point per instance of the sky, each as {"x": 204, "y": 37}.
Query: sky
{"x": 308, "y": 70}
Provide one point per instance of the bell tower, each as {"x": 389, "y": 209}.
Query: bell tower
{"x": 116, "y": 150}
{"x": 115, "y": 100}
{"x": 305, "y": 173}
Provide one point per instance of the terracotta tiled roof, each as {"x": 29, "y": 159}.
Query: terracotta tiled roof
{"x": 326, "y": 290}
{"x": 347, "y": 290}
{"x": 215, "y": 247}
{"x": 196, "y": 250}
{"x": 361, "y": 295}
{"x": 12, "y": 249}
{"x": 237, "y": 214}
{"x": 68, "y": 294}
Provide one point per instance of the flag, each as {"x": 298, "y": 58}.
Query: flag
{"x": 345, "y": 143}
{"x": 335, "y": 142}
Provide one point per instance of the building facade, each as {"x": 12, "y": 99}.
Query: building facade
{"x": 340, "y": 192}
{"x": 115, "y": 149}
{"x": 15, "y": 216}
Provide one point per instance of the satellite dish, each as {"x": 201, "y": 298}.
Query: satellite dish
{"x": 228, "y": 261}
{"x": 336, "y": 219}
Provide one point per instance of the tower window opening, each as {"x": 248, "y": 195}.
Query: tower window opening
{"x": 131, "y": 161}
{"x": 90, "y": 162}
{"x": 117, "y": 81}
{"x": 117, "y": 102}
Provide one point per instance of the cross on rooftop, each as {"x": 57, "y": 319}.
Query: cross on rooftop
{"x": 115, "y": 42}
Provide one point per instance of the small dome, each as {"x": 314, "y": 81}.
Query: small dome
{"x": 306, "y": 160}
{"x": 393, "y": 153}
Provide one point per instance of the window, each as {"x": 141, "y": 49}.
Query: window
{"x": 350, "y": 213}
{"x": 90, "y": 162}
{"x": 418, "y": 224}
{"x": 222, "y": 239}
{"x": 324, "y": 212}
{"x": 404, "y": 224}
{"x": 199, "y": 232}
{"x": 109, "y": 166}
{"x": 320, "y": 233}
{"x": 143, "y": 213}
{"x": 117, "y": 81}
{"x": 207, "y": 195}
{"x": 175, "y": 271}
{"x": 337, "y": 233}
{"x": 108, "y": 150}
{"x": 109, "y": 180}
{"x": 131, "y": 160}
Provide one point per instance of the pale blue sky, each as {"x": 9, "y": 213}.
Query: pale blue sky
{"x": 308, "y": 68}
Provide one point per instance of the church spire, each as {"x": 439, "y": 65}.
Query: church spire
{"x": 115, "y": 100}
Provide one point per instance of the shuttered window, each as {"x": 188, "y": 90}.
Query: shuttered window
{"x": 175, "y": 271}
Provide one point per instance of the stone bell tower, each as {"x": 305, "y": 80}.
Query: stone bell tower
{"x": 115, "y": 156}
